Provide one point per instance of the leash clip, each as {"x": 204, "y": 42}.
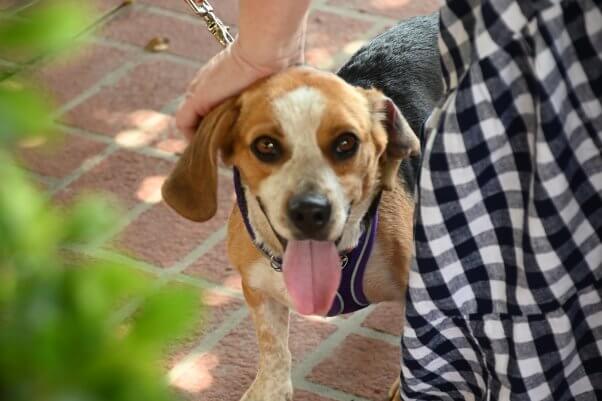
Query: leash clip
{"x": 219, "y": 30}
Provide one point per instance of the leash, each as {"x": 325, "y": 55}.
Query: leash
{"x": 219, "y": 30}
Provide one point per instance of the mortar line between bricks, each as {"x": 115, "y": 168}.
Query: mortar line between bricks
{"x": 378, "y": 335}
{"x": 118, "y": 44}
{"x": 109, "y": 79}
{"x": 183, "y": 16}
{"x": 109, "y": 140}
{"x": 35, "y": 177}
{"x": 209, "y": 341}
{"x": 344, "y": 328}
{"x": 208, "y": 244}
{"x": 349, "y": 12}
{"x": 83, "y": 168}
{"x": 172, "y": 107}
{"x": 145, "y": 267}
{"x": 116, "y": 257}
{"x": 125, "y": 221}
{"x": 325, "y": 391}
{"x": 206, "y": 285}
{"x": 129, "y": 308}
{"x": 164, "y": 276}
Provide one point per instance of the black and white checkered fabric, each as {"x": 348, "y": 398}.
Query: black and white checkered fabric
{"x": 505, "y": 297}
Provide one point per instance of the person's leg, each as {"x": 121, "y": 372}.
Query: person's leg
{"x": 505, "y": 295}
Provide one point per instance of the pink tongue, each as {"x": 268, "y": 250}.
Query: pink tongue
{"x": 312, "y": 273}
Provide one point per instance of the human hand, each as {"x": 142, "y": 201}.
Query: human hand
{"x": 271, "y": 38}
{"x": 225, "y": 75}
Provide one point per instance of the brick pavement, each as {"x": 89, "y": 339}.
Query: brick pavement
{"x": 115, "y": 103}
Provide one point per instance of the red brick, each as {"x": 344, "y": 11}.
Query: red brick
{"x": 328, "y": 33}
{"x": 224, "y": 373}
{"x": 214, "y": 266}
{"x": 186, "y": 39}
{"x": 67, "y": 77}
{"x": 397, "y": 9}
{"x": 216, "y": 308}
{"x": 386, "y": 317}
{"x": 162, "y": 237}
{"x": 361, "y": 366}
{"x": 129, "y": 107}
{"x": 125, "y": 175}
{"x": 58, "y": 159}
{"x": 226, "y": 10}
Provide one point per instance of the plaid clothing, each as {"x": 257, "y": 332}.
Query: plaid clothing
{"x": 505, "y": 297}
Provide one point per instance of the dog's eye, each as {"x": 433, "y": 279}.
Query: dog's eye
{"x": 266, "y": 149}
{"x": 345, "y": 146}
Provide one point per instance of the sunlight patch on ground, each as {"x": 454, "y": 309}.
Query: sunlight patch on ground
{"x": 351, "y": 47}
{"x": 146, "y": 126}
{"x": 149, "y": 191}
{"x": 197, "y": 376}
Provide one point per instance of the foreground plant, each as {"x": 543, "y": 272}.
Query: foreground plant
{"x": 60, "y": 339}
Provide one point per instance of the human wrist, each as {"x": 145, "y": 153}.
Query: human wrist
{"x": 269, "y": 61}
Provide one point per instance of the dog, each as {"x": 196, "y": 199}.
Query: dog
{"x": 324, "y": 169}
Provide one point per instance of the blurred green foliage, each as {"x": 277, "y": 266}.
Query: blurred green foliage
{"x": 58, "y": 338}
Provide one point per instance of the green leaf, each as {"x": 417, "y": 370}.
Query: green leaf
{"x": 88, "y": 218}
{"x": 23, "y": 113}
{"x": 45, "y": 26}
{"x": 166, "y": 315}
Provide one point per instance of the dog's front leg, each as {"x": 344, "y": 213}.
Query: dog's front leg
{"x": 273, "y": 380}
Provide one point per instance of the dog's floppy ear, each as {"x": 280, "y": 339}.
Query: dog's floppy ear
{"x": 191, "y": 188}
{"x": 402, "y": 142}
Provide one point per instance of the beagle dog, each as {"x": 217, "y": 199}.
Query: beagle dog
{"x": 324, "y": 166}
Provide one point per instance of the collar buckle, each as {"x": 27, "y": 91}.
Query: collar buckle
{"x": 276, "y": 263}
{"x": 344, "y": 261}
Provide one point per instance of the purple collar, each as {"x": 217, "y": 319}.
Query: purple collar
{"x": 350, "y": 295}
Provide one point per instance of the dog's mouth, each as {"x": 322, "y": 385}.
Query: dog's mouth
{"x": 312, "y": 273}
{"x": 311, "y": 270}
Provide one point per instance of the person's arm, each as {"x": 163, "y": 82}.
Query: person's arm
{"x": 271, "y": 38}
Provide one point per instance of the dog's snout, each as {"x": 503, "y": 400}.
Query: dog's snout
{"x": 310, "y": 213}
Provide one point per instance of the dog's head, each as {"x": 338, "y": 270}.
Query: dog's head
{"x": 313, "y": 152}
{"x": 310, "y": 147}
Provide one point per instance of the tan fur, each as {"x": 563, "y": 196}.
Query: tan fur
{"x": 232, "y": 128}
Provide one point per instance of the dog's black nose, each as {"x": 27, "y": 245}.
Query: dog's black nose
{"x": 309, "y": 212}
